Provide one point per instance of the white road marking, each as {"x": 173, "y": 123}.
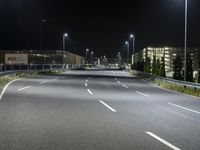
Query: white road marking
{"x": 194, "y": 111}
{"x": 116, "y": 79}
{"x": 118, "y": 82}
{"x": 23, "y": 88}
{"x": 54, "y": 79}
{"x": 125, "y": 86}
{"x": 163, "y": 141}
{"x": 86, "y": 81}
{"x": 113, "y": 110}
{"x": 86, "y": 84}
{"x": 43, "y": 82}
{"x": 4, "y": 89}
{"x": 89, "y": 91}
{"x": 142, "y": 94}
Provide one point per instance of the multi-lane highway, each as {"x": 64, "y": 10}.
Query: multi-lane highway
{"x": 96, "y": 110}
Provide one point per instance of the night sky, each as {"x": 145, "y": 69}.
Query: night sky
{"x": 102, "y": 26}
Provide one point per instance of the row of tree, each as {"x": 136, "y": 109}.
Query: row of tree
{"x": 157, "y": 67}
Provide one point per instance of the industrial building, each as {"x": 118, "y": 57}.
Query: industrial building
{"x": 169, "y": 54}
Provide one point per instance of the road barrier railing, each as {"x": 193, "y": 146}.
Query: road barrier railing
{"x": 154, "y": 77}
{"x": 9, "y": 69}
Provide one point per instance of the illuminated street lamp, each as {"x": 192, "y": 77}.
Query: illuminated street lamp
{"x": 65, "y": 35}
{"x": 133, "y": 56}
{"x": 86, "y": 51}
{"x": 127, "y": 44}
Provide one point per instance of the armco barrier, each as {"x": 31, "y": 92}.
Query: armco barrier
{"x": 153, "y": 77}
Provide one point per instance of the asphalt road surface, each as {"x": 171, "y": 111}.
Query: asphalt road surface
{"x": 96, "y": 110}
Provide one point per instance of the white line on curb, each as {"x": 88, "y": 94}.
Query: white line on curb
{"x": 163, "y": 141}
{"x": 89, "y": 91}
{"x": 107, "y": 106}
{"x": 4, "y": 89}
{"x": 194, "y": 111}
{"x": 23, "y": 88}
{"x": 142, "y": 94}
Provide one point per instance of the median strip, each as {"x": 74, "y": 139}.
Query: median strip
{"x": 113, "y": 110}
{"x": 24, "y": 88}
{"x": 194, "y": 111}
{"x": 163, "y": 141}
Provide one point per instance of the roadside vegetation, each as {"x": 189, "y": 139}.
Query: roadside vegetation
{"x": 151, "y": 70}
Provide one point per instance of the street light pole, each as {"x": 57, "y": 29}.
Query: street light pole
{"x": 185, "y": 42}
{"x": 41, "y": 32}
{"x": 87, "y": 50}
{"x": 63, "y": 52}
{"x": 133, "y": 59}
{"x": 91, "y": 56}
{"x": 127, "y": 43}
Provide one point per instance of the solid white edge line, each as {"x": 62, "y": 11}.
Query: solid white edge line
{"x": 163, "y": 141}
{"x": 151, "y": 84}
{"x": 23, "y": 88}
{"x": 89, "y": 91}
{"x": 142, "y": 94}
{"x": 194, "y": 111}
{"x": 107, "y": 106}
{"x": 5, "y": 88}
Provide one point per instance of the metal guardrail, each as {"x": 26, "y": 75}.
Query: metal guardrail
{"x": 5, "y": 70}
{"x": 153, "y": 77}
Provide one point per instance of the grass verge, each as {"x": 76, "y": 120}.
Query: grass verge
{"x": 171, "y": 85}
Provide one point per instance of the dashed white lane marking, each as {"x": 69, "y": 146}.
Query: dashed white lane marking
{"x": 86, "y": 84}
{"x": 113, "y": 110}
{"x": 89, "y": 91}
{"x": 125, "y": 86}
{"x": 194, "y": 111}
{"x": 43, "y": 82}
{"x": 142, "y": 94}
{"x": 118, "y": 82}
{"x": 86, "y": 81}
{"x": 4, "y": 89}
{"x": 24, "y": 88}
{"x": 163, "y": 141}
{"x": 116, "y": 79}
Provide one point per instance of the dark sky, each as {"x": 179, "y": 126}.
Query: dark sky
{"x": 102, "y": 26}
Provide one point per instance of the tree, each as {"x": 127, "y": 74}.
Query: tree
{"x": 154, "y": 65}
{"x": 147, "y": 66}
{"x": 162, "y": 68}
{"x": 189, "y": 70}
{"x": 178, "y": 68}
{"x": 158, "y": 67}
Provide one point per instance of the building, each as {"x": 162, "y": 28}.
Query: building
{"x": 43, "y": 57}
{"x": 169, "y": 54}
